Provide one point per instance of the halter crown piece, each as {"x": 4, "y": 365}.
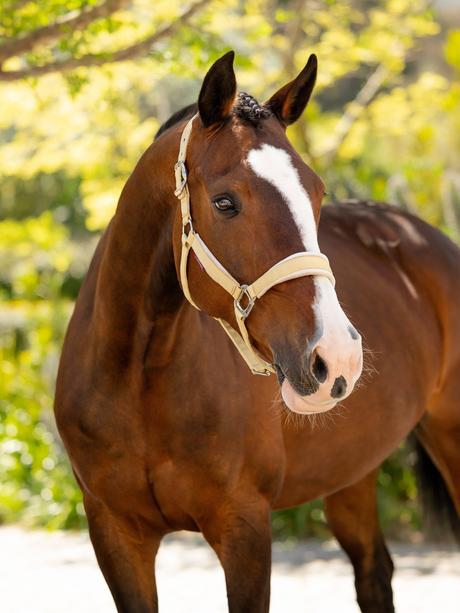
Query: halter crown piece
{"x": 292, "y": 267}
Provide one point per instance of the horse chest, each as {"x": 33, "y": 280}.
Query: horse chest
{"x": 200, "y": 456}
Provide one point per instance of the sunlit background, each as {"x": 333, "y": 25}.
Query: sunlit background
{"x": 384, "y": 124}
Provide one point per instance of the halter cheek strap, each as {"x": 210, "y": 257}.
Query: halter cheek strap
{"x": 292, "y": 267}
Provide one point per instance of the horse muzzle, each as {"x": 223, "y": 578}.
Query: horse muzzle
{"x": 327, "y": 375}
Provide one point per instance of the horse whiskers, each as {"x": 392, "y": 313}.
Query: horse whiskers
{"x": 298, "y": 421}
{"x": 277, "y": 404}
{"x": 320, "y": 420}
{"x": 369, "y": 351}
{"x": 288, "y": 417}
{"x": 368, "y": 357}
{"x": 368, "y": 368}
{"x": 284, "y": 413}
{"x": 328, "y": 416}
{"x": 312, "y": 420}
{"x": 280, "y": 409}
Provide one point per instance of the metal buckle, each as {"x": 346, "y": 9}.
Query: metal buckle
{"x": 244, "y": 311}
{"x": 183, "y": 171}
{"x": 266, "y": 373}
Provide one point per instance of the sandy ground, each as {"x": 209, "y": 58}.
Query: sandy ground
{"x": 57, "y": 573}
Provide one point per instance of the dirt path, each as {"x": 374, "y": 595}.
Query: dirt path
{"x": 57, "y": 573}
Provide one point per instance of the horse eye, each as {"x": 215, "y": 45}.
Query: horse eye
{"x": 223, "y": 204}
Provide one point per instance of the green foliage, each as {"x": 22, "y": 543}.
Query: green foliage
{"x": 57, "y": 192}
{"x": 453, "y": 49}
{"x": 401, "y": 150}
{"x": 302, "y": 522}
{"x": 397, "y": 494}
{"x": 36, "y": 482}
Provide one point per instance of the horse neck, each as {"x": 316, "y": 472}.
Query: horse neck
{"x": 137, "y": 283}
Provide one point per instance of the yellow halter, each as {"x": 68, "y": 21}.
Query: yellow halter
{"x": 292, "y": 267}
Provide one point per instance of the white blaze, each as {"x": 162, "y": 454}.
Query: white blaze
{"x": 336, "y": 337}
{"x": 275, "y": 166}
{"x": 336, "y": 346}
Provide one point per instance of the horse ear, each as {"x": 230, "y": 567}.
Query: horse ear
{"x": 290, "y": 101}
{"x": 218, "y": 91}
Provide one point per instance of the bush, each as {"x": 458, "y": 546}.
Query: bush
{"x": 36, "y": 481}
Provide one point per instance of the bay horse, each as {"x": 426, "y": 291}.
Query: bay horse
{"x": 167, "y": 428}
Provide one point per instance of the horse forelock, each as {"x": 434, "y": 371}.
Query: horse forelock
{"x": 245, "y": 107}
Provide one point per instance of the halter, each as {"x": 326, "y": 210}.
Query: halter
{"x": 297, "y": 265}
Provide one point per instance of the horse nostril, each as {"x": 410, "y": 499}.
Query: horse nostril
{"x": 319, "y": 369}
{"x": 339, "y": 388}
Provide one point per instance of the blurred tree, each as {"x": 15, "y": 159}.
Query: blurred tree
{"x": 21, "y": 198}
{"x": 94, "y": 122}
{"x": 36, "y": 482}
{"x": 53, "y": 36}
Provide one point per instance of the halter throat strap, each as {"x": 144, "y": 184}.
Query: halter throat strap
{"x": 295, "y": 266}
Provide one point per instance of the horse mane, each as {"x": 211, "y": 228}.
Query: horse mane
{"x": 186, "y": 113}
{"x": 245, "y": 106}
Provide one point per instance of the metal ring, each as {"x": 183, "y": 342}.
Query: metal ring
{"x": 265, "y": 373}
{"x": 244, "y": 311}
{"x": 183, "y": 171}
{"x": 188, "y": 223}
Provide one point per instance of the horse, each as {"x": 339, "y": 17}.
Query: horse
{"x": 168, "y": 429}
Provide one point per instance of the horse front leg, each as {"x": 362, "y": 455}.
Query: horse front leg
{"x": 241, "y": 537}
{"x": 353, "y": 517}
{"x": 125, "y": 549}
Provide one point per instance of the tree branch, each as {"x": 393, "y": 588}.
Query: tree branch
{"x": 74, "y": 20}
{"x": 138, "y": 50}
{"x": 330, "y": 146}
{"x": 20, "y": 4}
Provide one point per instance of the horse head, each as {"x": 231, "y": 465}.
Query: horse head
{"x": 254, "y": 202}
